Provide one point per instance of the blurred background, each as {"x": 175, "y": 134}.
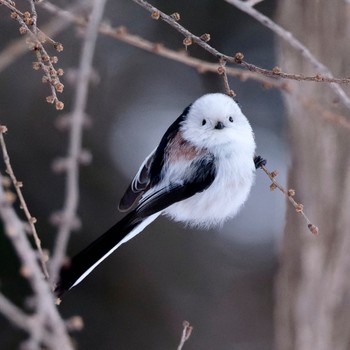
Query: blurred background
{"x": 221, "y": 281}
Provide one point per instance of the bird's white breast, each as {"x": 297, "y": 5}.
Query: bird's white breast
{"x": 224, "y": 197}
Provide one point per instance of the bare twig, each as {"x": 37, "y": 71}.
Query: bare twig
{"x": 34, "y": 17}
{"x": 18, "y": 185}
{"x": 69, "y": 213}
{"x": 299, "y": 208}
{"x": 222, "y": 71}
{"x": 288, "y": 37}
{"x": 186, "y": 333}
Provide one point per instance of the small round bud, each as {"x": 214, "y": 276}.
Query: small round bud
{"x": 59, "y": 87}
{"x": 3, "y": 129}
{"x": 187, "y": 41}
{"x": 28, "y": 21}
{"x": 60, "y": 72}
{"x": 221, "y": 70}
{"x": 231, "y": 93}
{"x": 299, "y": 208}
{"x": 33, "y": 220}
{"x": 14, "y": 15}
{"x": 59, "y": 105}
{"x": 314, "y": 229}
{"x": 239, "y": 57}
{"x": 205, "y": 37}
{"x": 36, "y": 65}
{"x": 53, "y": 59}
{"x": 291, "y": 192}
{"x": 22, "y": 30}
{"x": 276, "y": 70}
{"x": 318, "y": 77}
{"x": 175, "y": 16}
{"x": 50, "y": 99}
{"x": 58, "y": 47}
{"x": 45, "y": 58}
{"x": 155, "y": 15}
{"x": 273, "y": 187}
{"x": 52, "y": 72}
{"x": 274, "y": 173}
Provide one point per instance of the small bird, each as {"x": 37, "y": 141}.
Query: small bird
{"x": 201, "y": 174}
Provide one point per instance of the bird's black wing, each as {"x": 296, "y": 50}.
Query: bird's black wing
{"x": 138, "y": 185}
{"x": 150, "y": 170}
{"x": 200, "y": 176}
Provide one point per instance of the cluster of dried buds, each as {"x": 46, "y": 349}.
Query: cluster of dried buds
{"x": 36, "y": 40}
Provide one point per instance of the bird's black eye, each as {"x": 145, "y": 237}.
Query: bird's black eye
{"x": 204, "y": 122}
{"x": 230, "y": 119}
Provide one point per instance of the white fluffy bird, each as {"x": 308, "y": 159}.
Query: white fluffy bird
{"x": 201, "y": 174}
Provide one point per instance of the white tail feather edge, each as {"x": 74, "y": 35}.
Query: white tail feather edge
{"x": 130, "y": 235}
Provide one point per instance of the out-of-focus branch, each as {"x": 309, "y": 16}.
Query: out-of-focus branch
{"x": 69, "y": 213}
{"x": 47, "y": 316}
{"x": 14, "y": 314}
{"x": 186, "y": 333}
{"x": 288, "y": 37}
{"x": 202, "y": 66}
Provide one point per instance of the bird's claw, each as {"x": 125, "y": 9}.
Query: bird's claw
{"x": 259, "y": 162}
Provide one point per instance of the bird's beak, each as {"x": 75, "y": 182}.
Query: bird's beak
{"x": 219, "y": 125}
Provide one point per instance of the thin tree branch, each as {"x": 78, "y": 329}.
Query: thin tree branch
{"x": 222, "y": 71}
{"x": 288, "y": 37}
{"x": 18, "y": 185}
{"x": 186, "y": 333}
{"x": 75, "y": 140}
{"x": 299, "y": 208}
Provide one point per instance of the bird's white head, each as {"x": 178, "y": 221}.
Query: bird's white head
{"x": 215, "y": 121}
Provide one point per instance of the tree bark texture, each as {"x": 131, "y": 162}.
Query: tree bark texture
{"x": 313, "y": 283}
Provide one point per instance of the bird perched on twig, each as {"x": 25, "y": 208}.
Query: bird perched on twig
{"x": 201, "y": 174}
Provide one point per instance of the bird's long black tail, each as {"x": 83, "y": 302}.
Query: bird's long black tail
{"x": 85, "y": 261}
